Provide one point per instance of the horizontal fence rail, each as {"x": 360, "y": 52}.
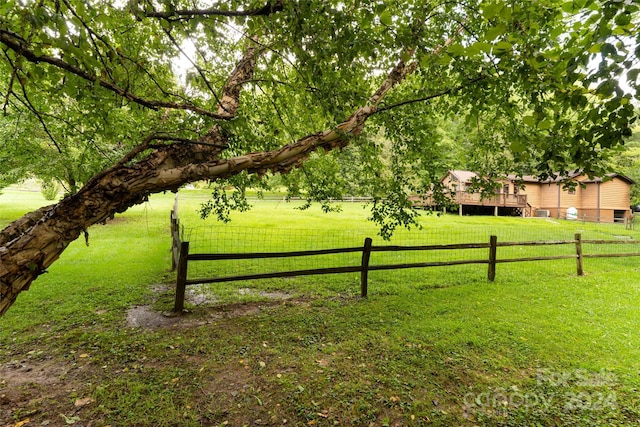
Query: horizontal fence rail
{"x": 366, "y": 250}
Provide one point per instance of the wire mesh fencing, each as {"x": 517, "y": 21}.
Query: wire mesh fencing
{"x": 275, "y": 230}
{"x": 239, "y": 240}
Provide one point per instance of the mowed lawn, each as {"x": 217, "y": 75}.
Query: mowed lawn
{"x": 439, "y": 346}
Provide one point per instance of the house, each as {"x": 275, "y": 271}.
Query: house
{"x": 600, "y": 200}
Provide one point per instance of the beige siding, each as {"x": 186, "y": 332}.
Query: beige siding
{"x": 451, "y": 184}
{"x": 532, "y": 191}
{"x": 569, "y": 200}
{"x": 614, "y": 194}
{"x": 447, "y": 183}
{"x": 549, "y": 196}
{"x": 590, "y": 196}
{"x": 604, "y": 215}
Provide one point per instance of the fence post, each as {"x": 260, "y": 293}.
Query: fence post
{"x": 181, "y": 278}
{"x": 364, "y": 272}
{"x": 579, "y": 254}
{"x": 173, "y": 258}
{"x": 175, "y": 240}
{"x": 493, "y": 246}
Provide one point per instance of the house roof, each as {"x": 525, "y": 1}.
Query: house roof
{"x": 535, "y": 179}
{"x": 610, "y": 175}
{"x": 465, "y": 176}
{"x": 524, "y": 178}
{"x": 462, "y": 175}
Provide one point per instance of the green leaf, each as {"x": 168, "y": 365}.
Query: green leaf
{"x": 596, "y": 48}
{"x": 608, "y": 49}
{"x": 529, "y": 121}
{"x": 491, "y": 10}
{"x": 479, "y": 47}
{"x": 606, "y": 88}
{"x": 443, "y": 59}
{"x": 456, "y": 49}
{"x": 495, "y": 32}
{"x": 517, "y": 147}
{"x": 545, "y": 124}
{"x": 502, "y": 47}
{"x": 386, "y": 19}
{"x": 623, "y": 19}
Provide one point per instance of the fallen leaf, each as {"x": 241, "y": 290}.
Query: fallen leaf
{"x": 70, "y": 420}
{"x": 83, "y": 356}
{"x": 83, "y": 402}
{"x": 23, "y": 422}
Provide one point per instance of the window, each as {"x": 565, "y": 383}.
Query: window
{"x": 505, "y": 189}
{"x": 572, "y": 191}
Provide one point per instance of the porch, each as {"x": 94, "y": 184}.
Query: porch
{"x": 516, "y": 203}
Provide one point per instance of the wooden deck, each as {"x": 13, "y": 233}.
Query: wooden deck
{"x": 502, "y": 200}
{"x": 464, "y": 198}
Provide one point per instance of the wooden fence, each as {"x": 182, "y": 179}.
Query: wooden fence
{"x": 184, "y": 258}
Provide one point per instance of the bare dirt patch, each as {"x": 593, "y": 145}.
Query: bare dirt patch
{"x": 146, "y": 317}
{"x": 19, "y": 373}
{"x": 275, "y": 295}
{"x": 40, "y": 389}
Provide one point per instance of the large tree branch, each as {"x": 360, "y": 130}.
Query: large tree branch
{"x": 242, "y": 73}
{"x": 36, "y": 243}
{"x": 269, "y": 8}
{"x": 14, "y": 43}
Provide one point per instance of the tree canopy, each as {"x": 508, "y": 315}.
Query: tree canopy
{"x": 119, "y": 100}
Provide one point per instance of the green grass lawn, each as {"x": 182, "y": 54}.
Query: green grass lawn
{"x": 438, "y": 346}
